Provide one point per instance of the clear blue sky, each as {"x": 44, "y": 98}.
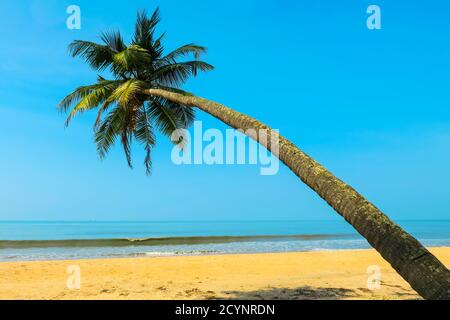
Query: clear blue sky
{"x": 372, "y": 106}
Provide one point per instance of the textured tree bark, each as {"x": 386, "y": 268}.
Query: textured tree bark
{"x": 421, "y": 269}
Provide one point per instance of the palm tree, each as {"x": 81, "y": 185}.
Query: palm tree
{"x": 144, "y": 94}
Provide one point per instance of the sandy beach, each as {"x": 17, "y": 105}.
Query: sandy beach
{"x": 296, "y": 275}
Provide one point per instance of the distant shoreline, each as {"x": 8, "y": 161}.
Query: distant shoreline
{"x": 193, "y": 253}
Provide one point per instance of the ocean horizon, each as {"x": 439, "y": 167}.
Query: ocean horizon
{"x": 56, "y": 240}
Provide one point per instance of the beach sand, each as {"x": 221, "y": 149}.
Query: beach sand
{"x": 296, "y": 275}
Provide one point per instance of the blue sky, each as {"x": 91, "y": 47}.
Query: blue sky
{"x": 372, "y": 106}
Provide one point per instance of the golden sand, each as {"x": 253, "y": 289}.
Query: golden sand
{"x": 296, "y": 275}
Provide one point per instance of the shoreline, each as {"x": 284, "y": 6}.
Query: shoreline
{"x": 150, "y": 256}
{"x": 175, "y": 255}
{"x": 333, "y": 274}
{"x": 199, "y": 254}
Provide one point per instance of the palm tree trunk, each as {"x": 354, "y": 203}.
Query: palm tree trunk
{"x": 421, "y": 269}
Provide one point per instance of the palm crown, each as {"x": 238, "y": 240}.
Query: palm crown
{"x": 124, "y": 109}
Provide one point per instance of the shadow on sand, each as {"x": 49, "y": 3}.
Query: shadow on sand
{"x": 302, "y": 293}
{"x": 312, "y": 293}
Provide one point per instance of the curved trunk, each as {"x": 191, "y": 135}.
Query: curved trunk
{"x": 421, "y": 269}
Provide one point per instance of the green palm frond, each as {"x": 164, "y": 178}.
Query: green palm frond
{"x": 114, "y": 41}
{"x": 145, "y": 135}
{"x": 108, "y": 130}
{"x": 75, "y": 96}
{"x": 157, "y": 48}
{"x": 97, "y": 56}
{"x": 118, "y": 123}
{"x": 183, "y": 51}
{"x": 100, "y": 112}
{"x": 184, "y": 115}
{"x": 128, "y": 92}
{"x": 130, "y": 60}
{"x": 127, "y": 135}
{"x": 145, "y": 31}
{"x": 93, "y": 99}
{"x": 176, "y": 74}
{"x": 165, "y": 118}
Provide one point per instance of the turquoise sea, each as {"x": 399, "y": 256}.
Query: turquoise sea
{"x": 46, "y": 240}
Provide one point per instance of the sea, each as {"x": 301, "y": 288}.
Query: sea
{"x": 60, "y": 240}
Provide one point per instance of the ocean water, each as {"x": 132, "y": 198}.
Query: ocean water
{"x": 46, "y": 240}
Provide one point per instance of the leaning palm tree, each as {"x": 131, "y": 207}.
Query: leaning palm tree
{"x": 144, "y": 94}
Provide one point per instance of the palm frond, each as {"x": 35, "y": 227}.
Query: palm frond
{"x": 88, "y": 97}
{"x": 90, "y": 101}
{"x": 131, "y": 60}
{"x": 184, "y": 115}
{"x": 157, "y": 47}
{"x": 108, "y": 130}
{"x": 174, "y": 75}
{"x": 145, "y": 135}
{"x": 144, "y": 32}
{"x": 128, "y": 92}
{"x": 127, "y": 138}
{"x": 75, "y": 96}
{"x": 113, "y": 40}
{"x": 100, "y": 112}
{"x": 183, "y": 51}
{"x": 164, "y": 117}
{"x": 97, "y": 56}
